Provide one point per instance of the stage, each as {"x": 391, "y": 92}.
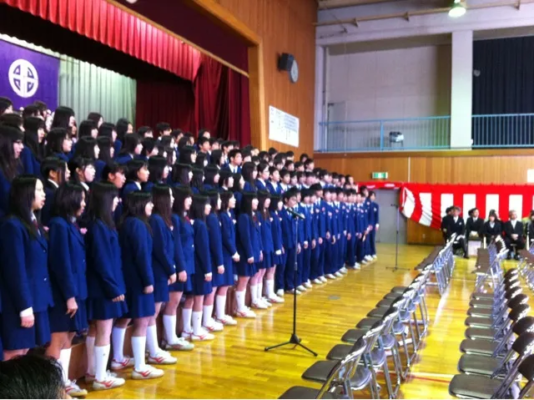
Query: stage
{"x": 235, "y": 364}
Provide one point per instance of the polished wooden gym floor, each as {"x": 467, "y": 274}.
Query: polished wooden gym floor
{"x": 235, "y": 364}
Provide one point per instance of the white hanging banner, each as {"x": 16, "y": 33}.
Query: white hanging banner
{"x": 283, "y": 127}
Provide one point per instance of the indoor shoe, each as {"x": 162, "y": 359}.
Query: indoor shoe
{"x": 73, "y": 390}
{"x": 91, "y": 378}
{"x": 162, "y": 358}
{"x": 308, "y": 285}
{"x": 109, "y": 382}
{"x": 186, "y": 335}
{"x": 275, "y": 299}
{"x": 180, "y": 345}
{"x": 214, "y": 326}
{"x": 318, "y": 281}
{"x": 202, "y": 337}
{"x": 227, "y": 320}
{"x": 246, "y": 313}
{"x": 280, "y": 292}
{"x": 323, "y": 279}
{"x": 301, "y": 288}
{"x": 127, "y": 362}
{"x": 330, "y": 276}
{"x": 148, "y": 373}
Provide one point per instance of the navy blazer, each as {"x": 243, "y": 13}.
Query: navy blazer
{"x": 228, "y": 237}
{"x": 123, "y": 159}
{"x": 202, "y": 257}
{"x": 249, "y": 188}
{"x": 289, "y": 229}
{"x": 215, "y": 238}
{"x": 30, "y": 165}
{"x": 266, "y": 233}
{"x": 99, "y": 168}
{"x": 46, "y": 211}
{"x": 248, "y": 238}
{"x": 162, "y": 249}
{"x": 5, "y": 187}
{"x": 260, "y": 185}
{"x": 67, "y": 263}
{"x": 118, "y": 147}
{"x": 185, "y": 231}
{"x": 24, "y": 269}
{"x": 227, "y": 168}
{"x": 105, "y": 279}
{"x": 179, "y": 254}
{"x": 321, "y": 220}
{"x": 129, "y": 188}
{"x": 273, "y": 190}
{"x": 136, "y": 251}
{"x": 61, "y": 156}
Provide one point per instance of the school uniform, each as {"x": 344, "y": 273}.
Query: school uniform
{"x": 130, "y": 187}
{"x": 361, "y": 226}
{"x": 229, "y": 247}
{"x": 162, "y": 257}
{"x": 238, "y": 197}
{"x": 61, "y": 156}
{"x": 375, "y": 215}
{"x": 24, "y": 285}
{"x": 233, "y": 169}
{"x": 67, "y": 265}
{"x": 367, "y": 243}
{"x": 5, "y": 188}
{"x": 474, "y": 225}
{"x": 351, "y": 230}
{"x": 491, "y": 230}
{"x": 117, "y": 147}
{"x": 261, "y": 185}
{"x": 266, "y": 240}
{"x": 136, "y": 253}
{"x": 50, "y": 188}
{"x": 105, "y": 279}
{"x": 216, "y": 247}
{"x": 276, "y": 233}
{"x": 248, "y": 244}
{"x": 184, "y": 253}
{"x": 285, "y": 273}
{"x": 203, "y": 261}
{"x": 331, "y": 247}
{"x": 209, "y": 188}
{"x": 457, "y": 226}
{"x": 342, "y": 251}
{"x": 319, "y": 228}
{"x": 99, "y": 167}
{"x": 274, "y": 188}
{"x": 308, "y": 237}
{"x": 30, "y": 164}
{"x": 249, "y": 188}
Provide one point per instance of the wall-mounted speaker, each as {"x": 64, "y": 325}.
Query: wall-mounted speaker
{"x": 285, "y": 62}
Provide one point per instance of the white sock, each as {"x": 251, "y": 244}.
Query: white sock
{"x": 269, "y": 287}
{"x": 64, "y": 361}
{"x": 169, "y": 324}
{"x": 90, "y": 350}
{"x": 254, "y": 293}
{"x": 152, "y": 340}
{"x": 138, "y": 349}
{"x": 240, "y": 298}
{"x": 197, "y": 322}
{"x": 101, "y": 362}
{"x": 260, "y": 289}
{"x": 117, "y": 339}
{"x": 220, "y": 306}
{"x": 206, "y": 317}
{"x": 186, "y": 319}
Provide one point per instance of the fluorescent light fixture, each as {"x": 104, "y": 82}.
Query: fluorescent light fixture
{"x": 457, "y": 9}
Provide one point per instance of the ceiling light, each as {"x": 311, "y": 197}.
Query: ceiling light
{"x": 457, "y": 9}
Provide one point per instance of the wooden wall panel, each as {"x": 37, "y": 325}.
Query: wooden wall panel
{"x": 284, "y": 26}
{"x": 485, "y": 167}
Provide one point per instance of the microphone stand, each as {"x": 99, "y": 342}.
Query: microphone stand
{"x": 294, "y": 339}
{"x": 396, "y": 267}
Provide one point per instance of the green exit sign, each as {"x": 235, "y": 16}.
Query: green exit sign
{"x": 380, "y": 175}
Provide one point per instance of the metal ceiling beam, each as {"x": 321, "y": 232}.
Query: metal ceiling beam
{"x": 328, "y": 4}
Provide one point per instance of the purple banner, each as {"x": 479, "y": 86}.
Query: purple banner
{"x": 26, "y": 76}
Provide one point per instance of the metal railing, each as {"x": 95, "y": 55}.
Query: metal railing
{"x": 426, "y": 133}
{"x": 503, "y": 130}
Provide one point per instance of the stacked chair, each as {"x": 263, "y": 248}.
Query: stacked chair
{"x": 392, "y": 331}
{"x": 500, "y": 336}
{"x": 526, "y": 265}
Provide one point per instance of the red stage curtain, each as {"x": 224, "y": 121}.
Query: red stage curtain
{"x": 165, "y": 101}
{"x": 238, "y": 101}
{"x": 105, "y": 23}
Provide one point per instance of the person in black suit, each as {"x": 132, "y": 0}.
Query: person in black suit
{"x": 474, "y": 226}
{"x": 513, "y": 230}
{"x": 456, "y": 225}
{"x": 492, "y": 228}
{"x": 445, "y": 222}
{"x": 530, "y": 228}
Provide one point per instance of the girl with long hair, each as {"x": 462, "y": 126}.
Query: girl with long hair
{"x": 263, "y": 176}
{"x": 239, "y": 184}
{"x": 131, "y": 149}
{"x": 10, "y": 149}
{"x": 55, "y": 171}
{"x": 33, "y": 152}
{"x": 105, "y": 284}
{"x": 58, "y": 144}
{"x": 108, "y": 130}
{"x": 67, "y": 277}
{"x": 249, "y": 173}
{"x": 211, "y": 178}
{"x": 123, "y": 127}
{"x": 278, "y": 249}
{"x": 182, "y": 175}
{"x": 197, "y": 181}
{"x": 158, "y": 172}
{"x": 137, "y": 175}
{"x": 88, "y": 128}
{"x": 265, "y": 223}
{"x": 25, "y": 283}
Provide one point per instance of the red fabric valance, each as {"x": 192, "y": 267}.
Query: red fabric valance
{"x": 105, "y": 23}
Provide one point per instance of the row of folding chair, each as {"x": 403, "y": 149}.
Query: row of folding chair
{"x": 395, "y": 327}
{"x": 441, "y": 260}
{"x": 499, "y": 336}
{"x": 526, "y": 265}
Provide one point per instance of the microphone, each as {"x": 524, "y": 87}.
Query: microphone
{"x": 295, "y": 214}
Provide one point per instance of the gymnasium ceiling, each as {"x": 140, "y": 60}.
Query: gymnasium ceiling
{"x": 331, "y": 4}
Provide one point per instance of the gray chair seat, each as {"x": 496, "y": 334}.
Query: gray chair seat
{"x": 339, "y": 352}
{"x": 480, "y": 347}
{"x": 481, "y": 333}
{"x": 484, "y": 303}
{"x": 367, "y": 323}
{"x": 352, "y": 335}
{"x": 319, "y": 372}
{"x": 481, "y": 312}
{"x": 301, "y": 392}
{"x": 479, "y": 387}
{"x": 485, "y": 296}
{"x": 378, "y": 357}
{"x": 388, "y": 341}
{"x": 378, "y": 312}
{"x": 399, "y": 289}
{"x": 361, "y": 378}
{"x": 399, "y": 328}
{"x": 478, "y": 365}
{"x": 480, "y": 322}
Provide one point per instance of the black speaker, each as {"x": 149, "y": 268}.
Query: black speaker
{"x": 285, "y": 62}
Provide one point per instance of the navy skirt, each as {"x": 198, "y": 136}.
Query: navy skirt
{"x": 246, "y": 269}
{"x": 161, "y": 292}
{"x": 61, "y": 322}
{"x": 227, "y": 279}
{"x": 268, "y": 260}
{"x": 104, "y": 309}
{"x": 15, "y": 337}
{"x": 140, "y": 305}
{"x": 200, "y": 286}
{"x": 278, "y": 260}
{"x": 185, "y": 287}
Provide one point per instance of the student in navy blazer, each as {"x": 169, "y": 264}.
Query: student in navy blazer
{"x": 58, "y": 144}
{"x": 263, "y": 176}
{"x": 105, "y": 282}
{"x": 375, "y": 215}
{"x": 136, "y": 176}
{"x": 115, "y": 173}
{"x": 249, "y": 248}
{"x": 285, "y": 276}
{"x": 184, "y": 257}
{"x": 230, "y": 255}
{"x": 265, "y": 223}
{"x": 249, "y": 173}
{"x": 158, "y": 173}
{"x": 24, "y": 284}
{"x": 278, "y": 249}
{"x": 131, "y": 149}
{"x": 163, "y": 262}
{"x": 273, "y": 184}
{"x": 33, "y": 152}
{"x": 203, "y": 275}
{"x": 239, "y": 184}
{"x": 217, "y": 261}
{"x": 10, "y": 150}
{"x": 108, "y": 130}
{"x": 67, "y": 267}
{"x": 55, "y": 172}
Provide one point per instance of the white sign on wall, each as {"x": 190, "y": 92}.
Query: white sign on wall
{"x": 283, "y": 127}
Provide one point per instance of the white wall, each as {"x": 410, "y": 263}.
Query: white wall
{"x": 400, "y": 83}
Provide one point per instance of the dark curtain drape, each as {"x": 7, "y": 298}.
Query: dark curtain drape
{"x": 503, "y": 83}
{"x": 166, "y": 101}
{"x": 239, "y": 108}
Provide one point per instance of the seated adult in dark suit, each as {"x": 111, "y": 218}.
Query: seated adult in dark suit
{"x": 445, "y": 222}
{"x": 474, "y": 225}
{"x": 492, "y": 228}
{"x": 530, "y": 228}
{"x": 513, "y": 230}
{"x": 456, "y": 225}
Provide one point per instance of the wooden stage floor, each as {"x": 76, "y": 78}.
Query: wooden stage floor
{"x": 235, "y": 364}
